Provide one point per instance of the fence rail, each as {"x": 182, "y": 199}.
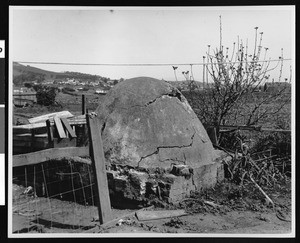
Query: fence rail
{"x": 225, "y": 128}
{"x": 49, "y": 154}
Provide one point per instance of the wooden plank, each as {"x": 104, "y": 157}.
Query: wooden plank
{"x": 98, "y": 163}
{"x": 44, "y": 118}
{"x": 251, "y": 128}
{"x": 30, "y": 126}
{"x": 75, "y": 120}
{"x": 29, "y": 145}
{"x": 48, "y": 154}
{"x": 27, "y": 136}
{"x": 159, "y": 214}
{"x": 114, "y": 221}
{"x": 212, "y": 133}
{"x": 68, "y": 127}
{"x": 60, "y": 129}
{"x": 78, "y": 120}
{"x": 49, "y": 131}
{"x": 22, "y": 137}
{"x": 275, "y": 130}
{"x": 50, "y": 134}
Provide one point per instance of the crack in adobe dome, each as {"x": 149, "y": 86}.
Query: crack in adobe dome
{"x": 167, "y": 147}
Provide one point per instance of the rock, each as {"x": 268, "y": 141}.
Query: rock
{"x": 179, "y": 188}
{"x": 182, "y": 170}
{"x": 120, "y": 183}
{"x": 138, "y": 181}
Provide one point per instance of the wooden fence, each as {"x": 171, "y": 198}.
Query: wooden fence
{"x": 62, "y": 129}
{"x": 212, "y": 131}
{"x": 53, "y": 133}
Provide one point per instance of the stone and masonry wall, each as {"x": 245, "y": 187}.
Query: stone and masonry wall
{"x": 170, "y": 186}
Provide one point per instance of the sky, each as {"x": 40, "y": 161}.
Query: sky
{"x": 91, "y": 35}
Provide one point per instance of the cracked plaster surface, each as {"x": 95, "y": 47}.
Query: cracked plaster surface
{"x": 132, "y": 116}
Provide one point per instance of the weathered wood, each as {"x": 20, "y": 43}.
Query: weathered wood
{"x": 83, "y": 105}
{"x": 114, "y": 221}
{"x": 275, "y": 130}
{"x": 21, "y": 130}
{"x": 268, "y": 199}
{"x": 160, "y": 214}
{"x": 49, "y": 133}
{"x": 68, "y": 127}
{"x": 48, "y": 154}
{"x": 212, "y": 133}
{"x": 28, "y": 127}
{"x": 60, "y": 129}
{"x": 24, "y": 143}
{"x": 79, "y": 118}
{"x": 250, "y": 128}
{"x": 41, "y": 127}
{"x": 98, "y": 163}
{"x": 27, "y": 136}
{"x": 44, "y": 118}
{"x": 227, "y": 128}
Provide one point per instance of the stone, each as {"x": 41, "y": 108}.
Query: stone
{"x": 182, "y": 170}
{"x": 138, "y": 181}
{"x": 120, "y": 183}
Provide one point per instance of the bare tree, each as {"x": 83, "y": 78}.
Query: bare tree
{"x": 237, "y": 89}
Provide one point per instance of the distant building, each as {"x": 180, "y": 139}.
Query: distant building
{"x": 100, "y": 91}
{"x": 24, "y": 96}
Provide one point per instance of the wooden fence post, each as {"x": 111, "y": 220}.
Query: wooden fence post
{"x": 83, "y": 105}
{"x": 98, "y": 164}
{"x": 212, "y": 133}
{"x": 50, "y": 134}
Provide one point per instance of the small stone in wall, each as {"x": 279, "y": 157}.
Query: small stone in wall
{"x": 182, "y": 170}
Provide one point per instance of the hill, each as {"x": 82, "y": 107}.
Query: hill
{"x": 184, "y": 85}
{"x": 27, "y": 73}
{"x": 19, "y": 69}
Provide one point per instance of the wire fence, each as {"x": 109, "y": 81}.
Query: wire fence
{"x": 54, "y": 196}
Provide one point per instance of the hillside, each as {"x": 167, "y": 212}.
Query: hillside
{"x": 184, "y": 85}
{"x": 19, "y": 69}
{"x": 27, "y": 73}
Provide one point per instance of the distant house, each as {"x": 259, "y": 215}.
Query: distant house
{"x": 24, "y": 96}
{"x": 100, "y": 91}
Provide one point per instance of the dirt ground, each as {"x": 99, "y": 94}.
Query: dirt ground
{"x": 241, "y": 222}
{"x": 227, "y": 213}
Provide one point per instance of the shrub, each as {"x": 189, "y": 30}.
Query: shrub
{"x": 45, "y": 95}
{"x": 68, "y": 89}
{"x": 279, "y": 142}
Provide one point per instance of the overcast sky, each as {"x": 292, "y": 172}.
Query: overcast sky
{"x": 142, "y": 35}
